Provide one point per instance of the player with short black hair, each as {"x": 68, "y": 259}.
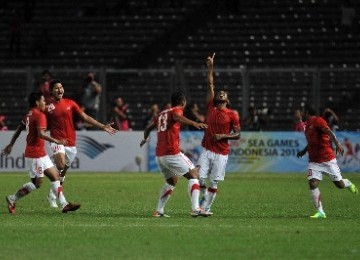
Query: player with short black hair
{"x": 223, "y": 125}
{"x": 171, "y": 161}
{"x": 60, "y": 113}
{"x": 322, "y": 159}
{"x": 35, "y": 155}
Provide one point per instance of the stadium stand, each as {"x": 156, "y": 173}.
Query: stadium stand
{"x": 269, "y": 53}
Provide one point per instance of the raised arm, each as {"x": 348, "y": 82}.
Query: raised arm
{"x": 210, "y": 77}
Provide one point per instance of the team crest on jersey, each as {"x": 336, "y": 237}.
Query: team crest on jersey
{"x": 50, "y": 107}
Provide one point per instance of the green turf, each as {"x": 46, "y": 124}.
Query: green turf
{"x": 258, "y": 216}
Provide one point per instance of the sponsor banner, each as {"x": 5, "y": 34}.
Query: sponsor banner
{"x": 97, "y": 151}
{"x": 266, "y": 151}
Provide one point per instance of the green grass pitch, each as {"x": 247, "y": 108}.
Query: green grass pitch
{"x": 256, "y": 216}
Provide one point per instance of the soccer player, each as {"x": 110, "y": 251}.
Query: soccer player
{"x": 322, "y": 159}
{"x": 36, "y": 158}
{"x": 60, "y": 113}
{"x": 171, "y": 161}
{"x": 223, "y": 125}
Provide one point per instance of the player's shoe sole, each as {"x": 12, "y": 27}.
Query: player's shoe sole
{"x": 318, "y": 215}
{"x": 156, "y": 214}
{"x": 10, "y": 205}
{"x": 199, "y": 213}
{"x": 70, "y": 207}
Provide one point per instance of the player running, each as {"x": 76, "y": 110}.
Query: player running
{"x": 60, "y": 114}
{"x": 322, "y": 159}
{"x": 36, "y": 158}
{"x": 171, "y": 161}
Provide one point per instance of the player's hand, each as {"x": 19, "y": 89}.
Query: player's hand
{"x": 143, "y": 141}
{"x": 301, "y": 153}
{"x": 210, "y": 61}
{"x": 62, "y": 142}
{"x": 108, "y": 128}
{"x": 217, "y": 137}
{"x": 7, "y": 149}
{"x": 200, "y": 125}
{"x": 339, "y": 149}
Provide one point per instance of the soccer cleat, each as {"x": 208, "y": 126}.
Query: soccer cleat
{"x": 353, "y": 189}
{"x": 210, "y": 213}
{"x": 200, "y": 212}
{"x": 318, "y": 215}
{"x": 157, "y": 214}
{"x": 11, "y": 205}
{"x": 70, "y": 207}
{"x": 52, "y": 202}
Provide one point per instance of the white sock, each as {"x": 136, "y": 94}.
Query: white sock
{"x": 347, "y": 183}
{"x": 57, "y": 189}
{"x": 316, "y": 199}
{"x": 210, "y": 197}
{"x": 25, "y": 190}
{"x": 194, "y": 192}
{"x": 202, "y": 187}
{"x": 164, "y": 196}
{"x": 52, "y": 195}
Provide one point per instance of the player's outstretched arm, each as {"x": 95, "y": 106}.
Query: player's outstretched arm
{"x": 8, "y": 148}
{"x": 210, "y": 77}
{"x": 184, "y": 120}
{"x": 147, "y": 131}
{"x": 107, "y": 128}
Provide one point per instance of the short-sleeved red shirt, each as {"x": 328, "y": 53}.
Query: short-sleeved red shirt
{"x": 35, "y": 146}
{"x": 319, "y": 146}
{"x": 60, "y": 115}
{"x": 168, "y": 131}
{"x": 219, "y": 121}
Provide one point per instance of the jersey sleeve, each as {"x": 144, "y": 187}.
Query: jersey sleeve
{"x": 42, "y": 122}
{"x": 76, "y": 108}
{"x": 177, "y": 111}
{"x": 321, "y": 123}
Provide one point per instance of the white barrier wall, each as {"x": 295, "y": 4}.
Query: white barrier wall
{"x": 97, "y": 151}
{"x": 255, "y": 152}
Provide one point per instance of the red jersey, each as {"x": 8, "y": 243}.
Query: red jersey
{"x": 60, "y": 115}
{"x": 168, "y": 132}
{"x": 219, "y": 121}
{"x": 300, "y": 126}
{"x": 319, "y": 147}
{"x": 35, "y": 146}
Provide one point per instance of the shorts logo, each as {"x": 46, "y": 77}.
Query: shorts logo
{"x": 91, "y": 147}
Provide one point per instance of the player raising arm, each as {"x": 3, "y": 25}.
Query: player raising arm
{"x": 322, "y": 159}
{"x": 36, "y": 158}
{"x": 171, "y": 161}
{"x": 223, "y": 125}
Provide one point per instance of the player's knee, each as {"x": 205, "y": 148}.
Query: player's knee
{"x": 60, "y": 166}
{"x": 339, "y": 184}
{"x": 313, "y": 183}
{"x": 214, "y": 184}
{"x": 37, "y": 182}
